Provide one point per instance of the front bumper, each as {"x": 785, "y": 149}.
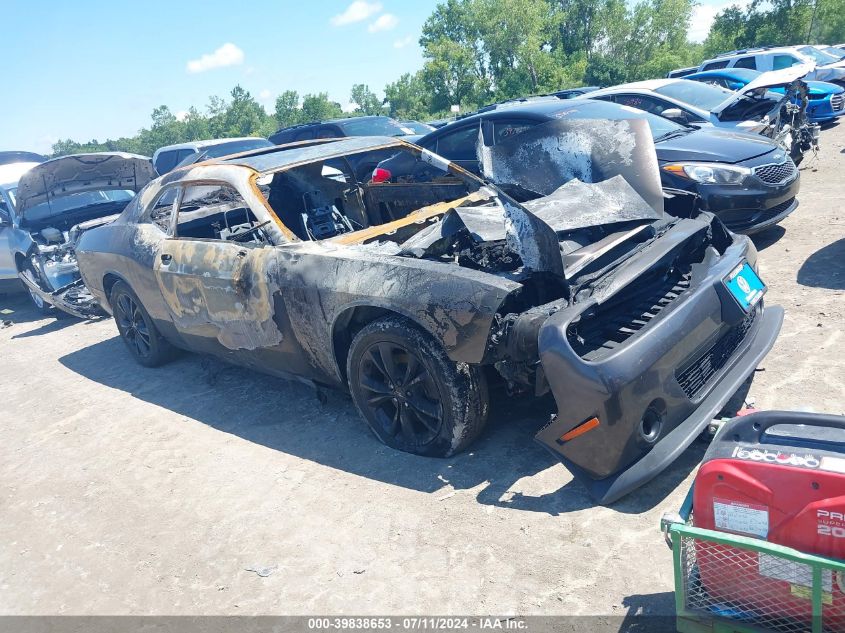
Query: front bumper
{"x": 72, "y": 298}
{"x": 752, "y": 207}
{"x": 702, "y": 340}
{"x": 823, "y": 110}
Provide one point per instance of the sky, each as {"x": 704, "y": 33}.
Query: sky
{"x": 95, "y": 69}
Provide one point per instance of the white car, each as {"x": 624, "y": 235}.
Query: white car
{"x": 827, "y": 67}
{"x": 753, "y": 109}
{"x": 170, "y": 156}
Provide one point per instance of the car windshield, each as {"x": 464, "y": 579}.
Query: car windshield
{"x": 839, "y": 54}
{"x": 76, "y": 202}
{"x": 417, "y": 126}
{"x": 234, "y": 147}
{"x": 704, "y": 96}
{"x": 376, "y": 126}
{"x": 588, "y": 109}
{"x": 820, "y": 57}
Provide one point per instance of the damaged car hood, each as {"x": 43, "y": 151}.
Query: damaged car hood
{"x": 105, "y": 171}
{"x": 545, "y": 157}
{"x": 766, "y": 81}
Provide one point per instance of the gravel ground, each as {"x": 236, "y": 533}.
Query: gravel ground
{"x": 126, "y": 490}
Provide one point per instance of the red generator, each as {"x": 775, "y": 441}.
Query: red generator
{"x": 778, "y": 476}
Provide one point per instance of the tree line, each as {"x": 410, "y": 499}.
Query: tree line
{"x": 481, "y": 51}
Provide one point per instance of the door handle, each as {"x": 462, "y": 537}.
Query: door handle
{"x": 166, "y": 259}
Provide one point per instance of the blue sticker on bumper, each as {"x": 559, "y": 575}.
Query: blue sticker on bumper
{"x": 745, "y": 286}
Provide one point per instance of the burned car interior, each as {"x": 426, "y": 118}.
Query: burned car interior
{"x": 325, "y": 199}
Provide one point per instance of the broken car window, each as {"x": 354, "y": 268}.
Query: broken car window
{"x": 217, "y": 212}
{"x": 161, "y": 210}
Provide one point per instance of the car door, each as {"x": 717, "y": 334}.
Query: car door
{"x": 203, "y": 273}
{"x": 8, "y": 269}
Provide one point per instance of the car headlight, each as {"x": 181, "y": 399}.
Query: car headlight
{"x": 710, "y": 173}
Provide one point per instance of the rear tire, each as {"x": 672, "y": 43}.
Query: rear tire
{"x": 137, "y": 329}
{"x": 413, "y": 397}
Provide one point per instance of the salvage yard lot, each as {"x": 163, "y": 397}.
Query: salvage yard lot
{"x": 126, "y": 490}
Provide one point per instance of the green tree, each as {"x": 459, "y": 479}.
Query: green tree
{"x": 407, "y": 97}
{"x": 366, "y": 101}
{"x": 287, "y": 110}
{"x": 317, "y": 107}
{"x": 244, "y": 116}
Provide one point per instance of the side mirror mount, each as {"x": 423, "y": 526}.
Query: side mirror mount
{"x": 675, "y": 114}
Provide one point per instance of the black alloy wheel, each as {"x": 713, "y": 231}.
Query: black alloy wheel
{"x": 402, "y": 396}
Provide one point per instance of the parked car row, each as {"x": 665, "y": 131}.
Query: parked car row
{"x": 552, "y": 244}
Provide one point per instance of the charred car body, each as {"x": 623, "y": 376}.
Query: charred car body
{"x": 54, "y": 203}
{"x": 414, "y": 293}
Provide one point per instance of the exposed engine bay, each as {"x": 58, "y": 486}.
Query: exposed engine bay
{"x": 59, "y": 200}
{"x": 52, "y": 269}
{"x": 785, "y": 117}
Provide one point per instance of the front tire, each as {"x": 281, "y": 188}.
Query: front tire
{"x": 137, "y": 329}
{"x": 43, "y": 308}
{"x": 412, "y": 396}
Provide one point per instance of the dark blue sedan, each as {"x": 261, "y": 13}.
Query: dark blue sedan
{"x": 827, "y": 100}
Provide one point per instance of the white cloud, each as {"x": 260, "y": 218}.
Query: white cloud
{"x": 349, "y": 106}
{"x": 355, "y": 12}
{"x": 384, "y": 22}
{"x": 226, "y": 55}
{"x": 703, "y": 15}
{"x": 405, "y": 41}
{"x": 181, "y": 115}
{"x": 265, "y": 95}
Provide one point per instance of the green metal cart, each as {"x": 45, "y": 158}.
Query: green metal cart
{"x": 814, "y": 578}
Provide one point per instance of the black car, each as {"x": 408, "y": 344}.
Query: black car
{"x": 747, "y": 180}
{"x": 340, "y": 128}
{"x": 10, "y": 157}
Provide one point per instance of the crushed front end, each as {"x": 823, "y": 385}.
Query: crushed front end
{"x": 646, "y": 357}
{"x": 50, "y": 270}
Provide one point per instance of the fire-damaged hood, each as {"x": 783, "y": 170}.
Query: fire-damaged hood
{"x": 774, "y": 79}
{"x": 581, "y": 173}
{"x": 546, "y": 156}
{"x": 105, "y": 171}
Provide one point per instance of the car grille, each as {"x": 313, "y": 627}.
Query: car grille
{"x": 696, "y": 376}
{"x": 597, "y": 334}
{"x": 776, "y": 174}
{"x": 837, "y": 102}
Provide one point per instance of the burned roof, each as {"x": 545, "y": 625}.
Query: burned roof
{"x": 271, "y": 159}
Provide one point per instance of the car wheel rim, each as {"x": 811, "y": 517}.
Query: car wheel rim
{"x": 400, "y": 394}
{"x": 132, "y": 325}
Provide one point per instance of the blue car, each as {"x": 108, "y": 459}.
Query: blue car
{"x": 827, "y": 100}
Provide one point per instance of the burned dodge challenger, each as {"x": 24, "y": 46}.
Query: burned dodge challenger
{"x": 415, "y": 292}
